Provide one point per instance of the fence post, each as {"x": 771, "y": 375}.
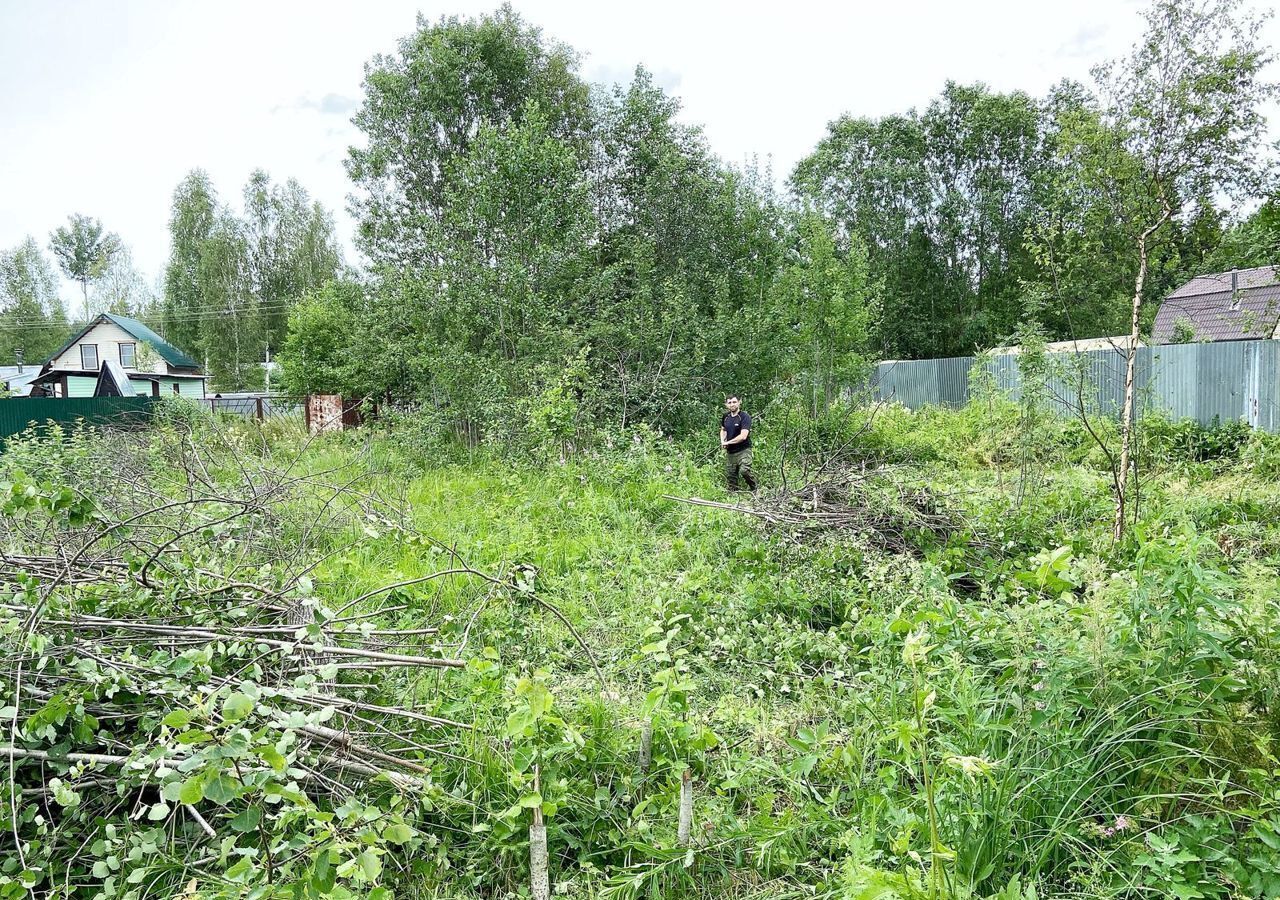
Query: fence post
{"x": 258, "y": 405}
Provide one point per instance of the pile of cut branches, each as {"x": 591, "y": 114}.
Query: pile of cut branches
{"x": 180, "y": 701}
{"x": 870, "y": 502}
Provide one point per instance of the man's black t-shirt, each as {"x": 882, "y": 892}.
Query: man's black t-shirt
{"x": 733, "y": 426}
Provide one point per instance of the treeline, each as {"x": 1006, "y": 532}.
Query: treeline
{"x": 576, "y": 254}
{"x": 543, "y": 249}
{"x": 33, "y": 321}
{"x": 559, "y": 253}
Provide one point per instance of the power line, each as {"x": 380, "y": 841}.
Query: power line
{"x": 193, "y": 316}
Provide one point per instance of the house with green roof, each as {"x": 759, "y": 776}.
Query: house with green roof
{"x": 153, "y": 366}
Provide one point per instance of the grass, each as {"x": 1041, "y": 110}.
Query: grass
{"x": 1019, "y": 709}
{"x": 1053, "y": 709}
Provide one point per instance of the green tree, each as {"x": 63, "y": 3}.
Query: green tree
{"x": 121, "y": 288}
{"x": 424, "y": 107}
{"x": 941, "y": 200}
{"x": 686, "y": 253}
{"x": 232, "y": 278}
{"x": 192, "y": 217}
{"x": 291, "y": 246}
{"x": 32, "y": 318}
{"x": 83, "y": 251}
{"x": 825, "y": 301}
{"x": 1254, "y": 241}
{"x": 322, "y": 353}
{"x": 233, "y": 336}
{"x": 528, "y": 223}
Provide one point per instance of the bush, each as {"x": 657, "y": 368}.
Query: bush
{"x": 1187, "y": 441}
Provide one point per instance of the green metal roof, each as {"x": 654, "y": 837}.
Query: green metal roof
{"x": 169, "y": 353}
{"x": 172, "y": 355}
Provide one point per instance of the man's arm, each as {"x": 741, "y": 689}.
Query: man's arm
{"x": 744, "y": 433}
{"x": 723, "y": 442}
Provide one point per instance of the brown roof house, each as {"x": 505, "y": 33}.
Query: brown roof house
{"x": 1240, "y": 305}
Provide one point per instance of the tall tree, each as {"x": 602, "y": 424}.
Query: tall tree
{"x": 32, "y": 319}
{"x": 232, "y": 277}
{"x": 424, "y": 107}
{"x": 1180, "y": 129}
{"x": 825, "y": 303}
{"x": 121, "y": 288}
{"x": 291, "y": 248}
{"x": 83, "y": 251}
{"x": 192, "y": 218}
{"x": 232, "y": 336}
{"x": 941, "y": 200}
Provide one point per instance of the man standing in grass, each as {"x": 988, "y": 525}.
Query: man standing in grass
{"x": 735, "y": 438}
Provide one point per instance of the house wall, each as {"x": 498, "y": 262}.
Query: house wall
{"x": 81, "y": 386}
{"x": 192, "y": 388}
{"x": 109, "y": 336}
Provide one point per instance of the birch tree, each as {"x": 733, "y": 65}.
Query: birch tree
{"x": 83, "y": 250}
{"x": 1180, "y": 127}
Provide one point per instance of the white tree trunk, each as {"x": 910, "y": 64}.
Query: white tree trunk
{"x": 539, "y": 874}
{"x": 1128, "y": 414}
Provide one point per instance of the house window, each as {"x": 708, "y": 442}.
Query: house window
{"x": 175, "y": 388}
{"x": 126, "y": 354}
{"x": 89, "y": 357}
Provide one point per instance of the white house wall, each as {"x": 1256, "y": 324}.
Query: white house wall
{"x": 109, "y": 336}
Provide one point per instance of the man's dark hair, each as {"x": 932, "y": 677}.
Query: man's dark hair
{"x": 733, "y": 397}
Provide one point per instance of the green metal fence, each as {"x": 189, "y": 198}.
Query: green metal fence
{"x": 19, "y": 413}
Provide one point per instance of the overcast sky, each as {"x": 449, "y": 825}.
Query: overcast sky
{"x": 105, "y": 106}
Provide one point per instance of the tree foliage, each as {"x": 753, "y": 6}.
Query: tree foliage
{"x": 232, "y": 277}
{"x": 83, "y": 251}
{"x": 32, "y": 318}
{"x": 517, "y": 220}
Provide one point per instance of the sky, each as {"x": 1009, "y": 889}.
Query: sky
{"x": 104, "y": 107}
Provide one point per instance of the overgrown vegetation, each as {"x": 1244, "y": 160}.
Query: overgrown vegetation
{"x": 998, "y": 702}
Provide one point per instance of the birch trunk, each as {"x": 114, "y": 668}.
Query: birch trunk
{"x": 1127, "y": 414}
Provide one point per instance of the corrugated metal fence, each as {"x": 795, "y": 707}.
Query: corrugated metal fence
{"x": 1222, "y": 381}
{"x": 19, "y": 413}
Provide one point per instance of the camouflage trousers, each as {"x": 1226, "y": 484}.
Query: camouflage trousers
{"x": 737, "y": 467}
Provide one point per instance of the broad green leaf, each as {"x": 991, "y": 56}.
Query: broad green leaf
{"x": 370, "y": 865}
{"x": 177, "y": 719}
{"x": 399, "y": 833}
{"x": 221, "y": 788}
{"x": 236, "y": 707}
{"x": 192, "y": 790}
{"x": 247, "y": 820}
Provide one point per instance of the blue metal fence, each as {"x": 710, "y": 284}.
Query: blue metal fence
{"x": 1205, "y": 382}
